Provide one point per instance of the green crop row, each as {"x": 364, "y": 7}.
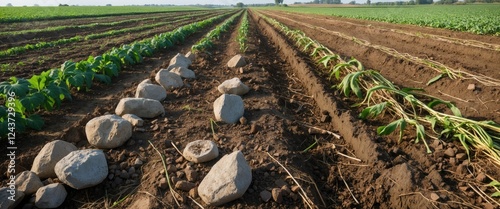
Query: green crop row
{"x": 23, "y": 97}
{"x": 85, "y": 26}
{"x": 479, "y": 19}
{"x": 207, "y": 41}
{"x": 28, "y": 47}
{"x": 243, "y": 33}
{"x": 379, "y": 96}
{"x": 23, "y": 14}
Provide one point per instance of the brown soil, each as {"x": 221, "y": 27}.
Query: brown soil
{"x": 36, "y": 61}
{"x": 288, "y": 96}
{"x": 481, "y": 104}
{"x": 8, "y": 41}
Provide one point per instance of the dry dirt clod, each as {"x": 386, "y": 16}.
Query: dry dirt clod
{"x": 163, "y": 183}
{"x": 434, "y": 196}
{"x": 450, "y": 152}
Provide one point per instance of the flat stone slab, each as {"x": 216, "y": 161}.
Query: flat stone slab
{"x": 200, "y": 151}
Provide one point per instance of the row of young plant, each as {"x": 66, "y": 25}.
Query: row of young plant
{"x": 410, "y": 106}
{"x": 442, "y": 69}
{"x": 48, "y": 89}
{"x": 87, "y": 26}
{"x": 243, "y": 33}
{"x": 207, "y": 41}
{"x": 41, "y": 45}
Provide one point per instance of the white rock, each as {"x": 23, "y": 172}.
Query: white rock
{"x": 200, "y": 151}
{"x": 51, "y": 153}
{"x": 82, "y": 168}
{"x": 191, "y": 56}
{"x": 133, "y": 119}
{"x": 183, "y": 72}
{"x": 227, "y": 180}
{"x": 229, "y": 108}
{"x": 150, "y": 91}
{"x": 146, "y": 81}
{"x": 10, "y": 197}
{"x": 233, "y": 86}
{"x": 142, "y": 107}
{"x": 28, "y": 182}
{"x": 168, "y": 79}
{"x": 108, "y": 131}
{"x": 50, "y": 196}
{"x": 180, "y": 60}
{"x": 237, "y": 61}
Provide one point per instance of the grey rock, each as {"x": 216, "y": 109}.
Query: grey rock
{"x": 226, "y": 181}
{"x": 108, "y": 131}
{"x": 144, "y": 108}
{"x": 233, "y": 86}
{"x": 150, "y": 91}
{"x": 265, "y": 195}
{"x": 183, "y": 72}
{"x": 200, "y": 151}
{"x": 50, "y": 196}
{"x": 28, "y": 182}
{"x": 229, "y": 108}
{"x": 10, "y": 197}
{"x": 82, "y": 168}
{"x": 51, "y": 153}
{"x": 237, "y": 61}
{"x": 133, "y": 119}
{"x": 168, "y": 79}
{"x": 180, "y": 60}
{"x": 191, "y": 56}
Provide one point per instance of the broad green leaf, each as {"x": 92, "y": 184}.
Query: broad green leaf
{"x": 354, "y": 83}
{"x": 389, "y": 128}
{"x": 19, "y": 87}
{"x": 68, "y": 66}
{"x": 496, "y": 194}
{"x": 455, "y": 110}
{"x": 402, "y": 127}
{"x": 38, "y": 82}
{"x": 33, "y": 101}
{"x": 494, "y": 183}
{"x": 373, "y": 111}
{"x": 35, "y": 122}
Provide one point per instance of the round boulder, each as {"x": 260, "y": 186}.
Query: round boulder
{"x": 82, "y": 168}
{"x": 229, "y": 108}
{"x": 108, "y": 131}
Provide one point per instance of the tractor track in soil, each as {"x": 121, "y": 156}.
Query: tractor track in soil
{"x": 286, "y": 93}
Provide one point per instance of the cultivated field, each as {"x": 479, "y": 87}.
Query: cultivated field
{"x": 359, "y": 113}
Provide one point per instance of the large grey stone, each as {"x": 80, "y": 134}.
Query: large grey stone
{"x": 10, "y": 197}
{"x": 50, "y": 196}
{"x": 168, "y": 79}
{"x": 142, "y": 107}
{"x": 133, "y": 119}
{"x": 183, "y": 72}
{"x": 51, "y": 153}
{"x": 229, "y": 108}
{"x": 28, "y": 182}
{"x": 233, "y": 86}
{"x": 191, "y": 56}
{"x": 200, "y": 151}
{"x": 226, "y": 181}
{"x": 180, "y": 60}
{"x": 108, "y": 131}
{"x": 82, "y": 168}
{"x": 150, "y": 91}
{"x": 237, "y": 61}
